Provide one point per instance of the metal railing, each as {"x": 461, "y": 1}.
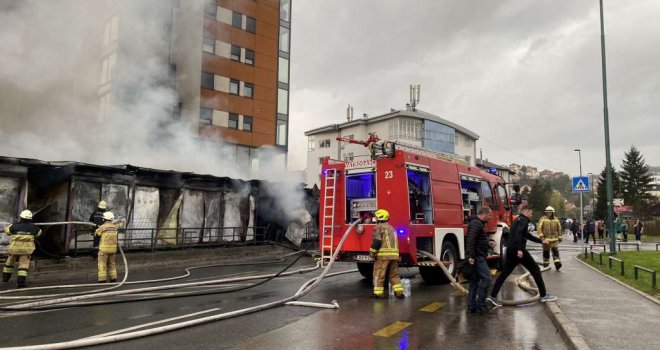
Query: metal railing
{"x": 636, "y": 268}
{"x": 627, "y": 244}
{"x": 611, "y": 258}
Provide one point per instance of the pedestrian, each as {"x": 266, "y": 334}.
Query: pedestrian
{"x": 624, "y": 230}
{"x": 549, "y": 228}
{"x": 23, "y": 233}
{"x": 575, "y": 228}
{"x": 567, "y": 227}
{"x": 601, "y": 229}
{"x": 516, "y": 253}
{"x": 108, "y": 232}
{"x": 385, "y": 252}
{"x": 590, "y": 230}
{"x": 638, "y": 229}
{"x": 617, "y": 228}
{"x": 97, "y": 219}
{"x": 477, "y": 250}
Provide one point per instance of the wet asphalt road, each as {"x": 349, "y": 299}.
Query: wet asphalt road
{"x": 443, "y": 322}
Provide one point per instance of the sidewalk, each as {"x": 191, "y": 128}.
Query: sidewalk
{"x": 607, "y": 314}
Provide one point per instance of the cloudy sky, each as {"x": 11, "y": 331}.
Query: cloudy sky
{"x": 524, "y": 75}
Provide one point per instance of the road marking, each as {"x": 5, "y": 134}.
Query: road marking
{"x": 392, "y": 329}
{"x": 433, "y": 307}
{"x": 151, "y": 324}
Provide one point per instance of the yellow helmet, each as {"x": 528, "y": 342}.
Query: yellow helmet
{"x": 26, "y": 214}
{"x": 382, "y": 215}
{"x": 109, "y": 216}
{"x": 549, "y": 209}
{"x": 103, "y": 205}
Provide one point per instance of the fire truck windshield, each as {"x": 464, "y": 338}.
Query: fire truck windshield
{"x": 361, "y": 196}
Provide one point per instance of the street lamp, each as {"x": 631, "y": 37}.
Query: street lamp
{"x": 581, "y": 207}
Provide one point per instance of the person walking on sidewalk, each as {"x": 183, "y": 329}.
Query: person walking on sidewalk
{"x": 385, "y": 252}
{"x": 516, "y": 253}
{"x": 638, "y": 229}
{"x": 108, "y": 231}
{"x": 549, "y": 228}
{"x": 590, "y": 229}
{"x": 477, "y": 250}
{"x": 23, "y": 233}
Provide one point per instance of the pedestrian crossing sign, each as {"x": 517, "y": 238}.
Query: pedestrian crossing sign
{"x": 580, "y": 184}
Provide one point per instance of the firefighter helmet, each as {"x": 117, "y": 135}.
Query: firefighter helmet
{"x": 103, "y": 205}
{"x": 549, "y": 209}
{"x": 382, "y": 215}
{"x": 26, "y": 214}
{"x": 108, "y": 216}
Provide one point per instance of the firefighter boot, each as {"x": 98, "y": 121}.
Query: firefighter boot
{"x": 21, "y": 281}
{"x": 6, "y": 276}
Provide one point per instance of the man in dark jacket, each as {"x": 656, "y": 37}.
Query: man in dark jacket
{"x": 477, "y": 250}
{"x": 590, "y": 230}
{"x": 516, "y": 253}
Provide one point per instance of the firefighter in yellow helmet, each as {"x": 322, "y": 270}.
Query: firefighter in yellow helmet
{"x": 549, "y": 229}
{"x": 23, "y": 233}
{"x": 385, "y": 252}
{"x": 108, "y": 232}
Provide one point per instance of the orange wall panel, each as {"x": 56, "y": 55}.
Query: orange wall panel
{"x": 266, "y": 46}
{"x": 208, "y": 62}
{"x": 259, "y": 139}
{"x": 222, "y": 66}
{"x": 268, "y": 14}
{"x": 265, "y": 94}
{"x": 242, "y": 72}
{"x": 242, "y": 38}
{"x": 267, "y": 30}
{"x": 264, "y": 110}
{"x": 221, "y": 101}
{"x": 223, "y": 32}
{"x": 241, "y": 105}
{"x": 266, "y": 62}
{"x": 248, "y": 8}
{"x": 270, "y": 3}
{"x": 264, "y": 77}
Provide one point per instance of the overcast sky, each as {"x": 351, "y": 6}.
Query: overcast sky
{"x": 524, "y": 75}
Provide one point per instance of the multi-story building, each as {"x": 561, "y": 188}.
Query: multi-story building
{"x": 412, "y": 126}
{"x": 655, "y": 184}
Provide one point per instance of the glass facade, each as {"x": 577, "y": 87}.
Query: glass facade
{"x": 439, "y": 137}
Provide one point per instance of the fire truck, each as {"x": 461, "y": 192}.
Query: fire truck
{"x": 429, "y": 196}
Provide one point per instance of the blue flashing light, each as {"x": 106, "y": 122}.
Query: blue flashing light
{"x": 401, "y": 232}
{"x": 492, "y": 171}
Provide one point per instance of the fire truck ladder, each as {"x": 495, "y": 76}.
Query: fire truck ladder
{"x": 328, "y": 231}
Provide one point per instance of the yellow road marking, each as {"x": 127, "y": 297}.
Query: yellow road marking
{"x": 392, "y": 329}
{"x": 433, "y": 307}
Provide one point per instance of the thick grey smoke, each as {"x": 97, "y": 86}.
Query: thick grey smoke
{"x": 51, "y": 56}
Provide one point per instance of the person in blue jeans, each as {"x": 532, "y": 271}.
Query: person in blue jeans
{"x": 477, "y": 250}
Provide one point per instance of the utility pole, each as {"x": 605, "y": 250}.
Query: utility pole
{"x": 581, "y": 206}
{"x": 608, "y": 163}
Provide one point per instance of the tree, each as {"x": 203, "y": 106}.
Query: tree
{"x": 557, "y": 201}
{"x": 635, "y": 181}
{"x": 601, "y": 193}
{"x": 539, "y": 197}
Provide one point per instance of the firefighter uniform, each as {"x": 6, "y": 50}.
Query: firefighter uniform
{"x": 108, "y": 232}
{"x": 385, "y": 250}
{"x": 23, "y": 234}
{"x": 549, "y": 228}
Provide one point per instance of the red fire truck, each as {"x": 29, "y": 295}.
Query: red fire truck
{"x": 428, "y": 194}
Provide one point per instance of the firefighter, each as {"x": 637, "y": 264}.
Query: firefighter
{"x": 549, "y": 229}
{"x": 97, "y": 219}
{"x": 21, "y": 247}
{"x": 107, "y": 233}
{"x": 385, "y": 252}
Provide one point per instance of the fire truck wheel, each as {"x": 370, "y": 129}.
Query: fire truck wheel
{"x": 434, "y": 274}
{"x": 366, "y": 270}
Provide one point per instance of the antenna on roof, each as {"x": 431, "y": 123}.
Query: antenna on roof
{"x": 414, "y": 95}
{"x": 349, "y": 112}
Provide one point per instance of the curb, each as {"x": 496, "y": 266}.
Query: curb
{"x": 649, "y": 297}
{"x": 566, "y": 327}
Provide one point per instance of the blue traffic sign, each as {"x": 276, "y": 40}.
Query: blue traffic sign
{"x": 581, "y": 184}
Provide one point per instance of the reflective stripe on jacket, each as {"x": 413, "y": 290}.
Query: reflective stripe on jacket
{"x": 22, "y": 238}
{"x": 389, "y": 248}
{"x": 549, "y": 229}
{"x": 108, "y": 232}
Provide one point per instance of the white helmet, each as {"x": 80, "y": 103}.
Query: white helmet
{"x": 26, "y": 214}
{"x": 550, "y": 209}
{"x": 108, "y": 216}
{"x": 103, "y": 205}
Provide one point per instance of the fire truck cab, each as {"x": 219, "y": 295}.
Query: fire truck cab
{"x": 429, "y": 196}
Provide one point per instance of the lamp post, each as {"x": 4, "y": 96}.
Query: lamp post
{"x": 593, "y": 195}
{"x": 581, "y": 207}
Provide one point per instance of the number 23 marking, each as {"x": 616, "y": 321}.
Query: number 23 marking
{"x": 389, "y": 174}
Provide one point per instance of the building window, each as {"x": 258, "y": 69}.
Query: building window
{"x": 233, "y": 121}
{"x": 205, "y": 116}
{"x": 248, "y": 91}
{"x": 237, "y": 20}
{"x": 283, "y": 70}
{"x": 247, "y": 123}
{"x": 282, "y": 101}
{"x": 285, "y": 10}
{"x": 250, "y": 24}
{"x": 235, "y": 53}
{"x": 410, "y": 129}
{"x": 234, "y": 86}
{"x": 311, "y": 144}
{"x": 349, "y": 156}
{"x": 249, "y": 57}
{"x": 322, "y": 159}
{"x": 209, "y": 45}
{"x": 280, "y": 139}
{"x": 284, "y": 39}
{"x": 210, "y": 9}
{"x": 324, "y": 143}
{"x": 207, "y": 80}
